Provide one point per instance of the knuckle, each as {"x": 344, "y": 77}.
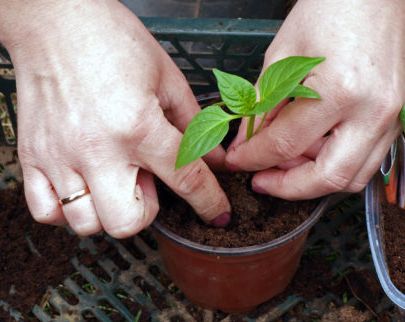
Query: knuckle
{"x": 349, "y": 91}
{"x": 124, "y": 231}
{"x": 334, "y": 181}
{"x": 356, "y": 187}
{"x": 29, "y": 153}
{"x": 284, "y": 148}
{"x": 132, "y": 222}
{"x": 143, "y": 122}
{"x": 191, "y": 179}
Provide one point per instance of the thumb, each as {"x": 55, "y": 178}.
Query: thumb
{"x": 195, "y": 183}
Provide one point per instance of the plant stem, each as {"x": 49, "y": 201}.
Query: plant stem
{"x": 250, "y": 127}
{"x": 261, "y": 123}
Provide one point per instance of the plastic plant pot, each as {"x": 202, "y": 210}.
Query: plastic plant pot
{"x": 234, "y": 279}
{"x": 374, "y": 198}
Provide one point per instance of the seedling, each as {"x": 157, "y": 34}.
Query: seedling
{"x": 279, "y": 81}
{"x": 138, "y": 316}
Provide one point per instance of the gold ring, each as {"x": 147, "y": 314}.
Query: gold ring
{"x": 74, "y": 196}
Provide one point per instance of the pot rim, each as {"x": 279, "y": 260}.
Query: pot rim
{"x": 248, "y": 250}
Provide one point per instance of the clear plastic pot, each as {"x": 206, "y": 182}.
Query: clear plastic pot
{"x": 374, "y": 198}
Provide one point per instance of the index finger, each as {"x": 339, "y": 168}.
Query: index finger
{"x": 195, "y": 182}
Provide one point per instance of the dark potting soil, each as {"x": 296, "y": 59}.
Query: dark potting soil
{"x": 394, "y": 240}
{"x": 32, "y": 256}
{"x": 256, "y": 219}
{"x": 31, "y": 277}
{"x": 35, "y": 256}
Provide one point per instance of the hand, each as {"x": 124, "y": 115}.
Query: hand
{"x": 313, "y": 148}
{"x": 101, "y": 105}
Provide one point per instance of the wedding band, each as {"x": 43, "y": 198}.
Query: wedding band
{"x": 74, "y": 196}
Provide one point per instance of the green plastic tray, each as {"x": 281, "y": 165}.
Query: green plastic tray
{"x": 196, "y": 45}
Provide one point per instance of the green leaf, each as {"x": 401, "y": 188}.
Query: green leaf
{"x": 138, "y": 316}
{"x": 305, "y": 92}
{"x": 238, "y": 94}
{"x": 281, "y": 78}
{"x": 206, "y": 130}
{"x": 402, "y": 117}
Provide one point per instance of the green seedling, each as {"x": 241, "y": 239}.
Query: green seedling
{"x": 138, "y": 316}
{"x": 89, "y": 288}
{"x": 281, "y": 80}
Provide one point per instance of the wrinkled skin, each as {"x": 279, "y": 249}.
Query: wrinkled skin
{"x": 100, "y": 104}
{"x": 312, "y": 148}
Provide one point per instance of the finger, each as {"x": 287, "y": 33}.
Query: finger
{"x": 274, "y": 112}
{"x": 374, "y": 160}
{"x": 195, "y": 182}
{"x": 41, "y": 198}
{"x": 293, "y": 163}
{"x": 146, "y": 182}
{"x": 313, "y": 151}
{"x": 178, "y": 103}
{"x": 241, "y": 136}
{"x": 284, "y": 139}
{"x": 337, "y": 164}
{"x": 80, "y": 213}
{"x": 120, "y": 203}
{"x": 308, "y": 155}
{"x": 181, "y": 106}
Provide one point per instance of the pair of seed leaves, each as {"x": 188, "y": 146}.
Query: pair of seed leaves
{"x": 279, "y": 81}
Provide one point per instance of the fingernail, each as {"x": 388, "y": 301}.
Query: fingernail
{"x": 222, "y": 220}
{"x": 259, "y": 189}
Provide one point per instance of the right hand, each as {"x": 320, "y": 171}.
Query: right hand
{"x": 100, "y": 104}
{"x": 316, "y": 147}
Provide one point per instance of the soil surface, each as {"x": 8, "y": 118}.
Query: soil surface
{"x": 256, "y": 219}
{"x": 32, "y": 256}
{"x": 394, "y": 238}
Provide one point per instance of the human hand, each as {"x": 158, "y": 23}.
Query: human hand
{"x": 101, "y": 105}
{"x": 313, "y": 148}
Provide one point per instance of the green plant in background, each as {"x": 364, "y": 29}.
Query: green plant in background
{"x": 402, "y": 117}
{"x": 279, "y": 81}
{"x": 138, "y": 316}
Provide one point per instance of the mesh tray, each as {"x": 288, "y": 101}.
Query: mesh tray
{"x": 134, "y": 280}
{"x": 131, "y": 281}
